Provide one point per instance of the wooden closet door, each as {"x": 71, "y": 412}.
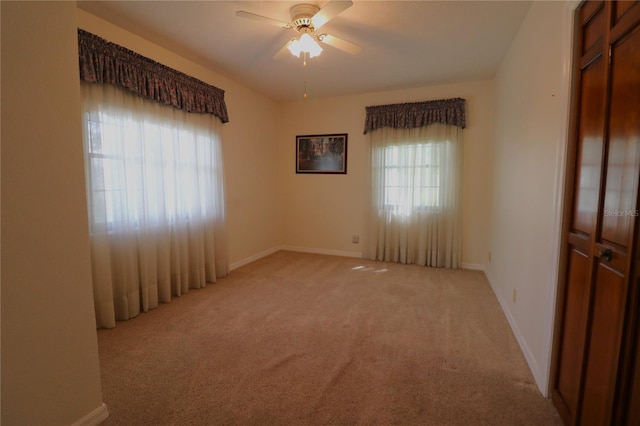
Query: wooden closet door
{"x": 596, "y": 299}
{"x": 632, "y": 414}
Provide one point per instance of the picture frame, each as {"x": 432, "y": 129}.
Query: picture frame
{"x": 322, "y": 154}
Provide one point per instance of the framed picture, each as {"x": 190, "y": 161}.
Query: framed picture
{"x": 322, "y": 153}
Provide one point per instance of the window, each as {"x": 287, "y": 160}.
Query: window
{"x": 155, "y": 192}
{"x": 413, "y": 213}
{"x": 412, "y": 177}
{"x": 413, "y": 210}
{"x": 154, "y": 179}
{"x": 147, "y": 171}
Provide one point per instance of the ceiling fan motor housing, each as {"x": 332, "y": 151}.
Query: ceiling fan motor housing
{"x": 301, "y": 15}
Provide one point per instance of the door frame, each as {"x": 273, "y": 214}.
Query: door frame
{"x": 562, "y": 187}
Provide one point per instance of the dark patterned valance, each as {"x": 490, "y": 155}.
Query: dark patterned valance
{"x": 416, "y": 114}
{"x": 105, "y": 62}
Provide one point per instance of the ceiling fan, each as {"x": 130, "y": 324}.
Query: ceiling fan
{"x": 306, "y": 20}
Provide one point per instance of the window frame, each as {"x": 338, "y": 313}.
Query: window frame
{"x": 435, "y": 163}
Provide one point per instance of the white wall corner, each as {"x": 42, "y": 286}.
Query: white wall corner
{"x": 95, "y": 417}
{"x": 247, "y": 260}
{"x": 539, "y": 374}
{"x": 559, "y": 182}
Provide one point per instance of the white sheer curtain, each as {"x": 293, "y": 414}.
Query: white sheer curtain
{"x": 414, "y": 205}
{"x": 156, "y": 201}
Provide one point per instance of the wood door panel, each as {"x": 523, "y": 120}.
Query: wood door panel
{"x": 589, "y": 152}
{"x": 633, "y": 414}
{"x": 602, "y": 360}
{"x": 596, "y": 378}
{"x": 623, "y": 165}
{"x": 627, "y": 21}
{"x": 593, "y": 31}
{"x": 622, "y": 7}
{"x": 574, "y": 321}
{"x": 596, "y": 355}
{"x": 589, "y": 9}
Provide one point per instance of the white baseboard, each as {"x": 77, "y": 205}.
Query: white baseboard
{"x": 357, "y": 254}
{"x": 246, "y": 261}
{"x": 94, "y": 418}
{"x": 323, "y": 251}
{"x": 473, "y": 266}
{"x": 538, "y": 374}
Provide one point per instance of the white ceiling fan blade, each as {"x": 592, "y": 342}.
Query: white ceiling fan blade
{"x": 282, "y": 53}
{"x": 330, "y": 11}
{"x": 338, "y": 43}
{"x": 249, "y": 15}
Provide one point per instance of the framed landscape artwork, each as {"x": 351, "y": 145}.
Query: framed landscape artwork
{"x": 322, "y": 153}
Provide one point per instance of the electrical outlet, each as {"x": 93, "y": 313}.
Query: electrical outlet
{"x": 355, "y": 239}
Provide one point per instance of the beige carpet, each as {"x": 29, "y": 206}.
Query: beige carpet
{"x": 303, "y": 339}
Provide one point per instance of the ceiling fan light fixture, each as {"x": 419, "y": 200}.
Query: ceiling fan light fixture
{"x": 305, "y": 43}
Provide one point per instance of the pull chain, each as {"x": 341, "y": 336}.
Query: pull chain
{"x": 305, "y": 56}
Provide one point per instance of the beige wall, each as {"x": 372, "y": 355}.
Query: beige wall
{"x": 249, "y": 145}
{"x": 322, "y": 212}
{"x": 269, "y": 206}
{"x": 50, "y": 371}
{"x": 531, "y": 111}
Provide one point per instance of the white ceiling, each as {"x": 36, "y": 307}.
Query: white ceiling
{"x": 405, "y": 43}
